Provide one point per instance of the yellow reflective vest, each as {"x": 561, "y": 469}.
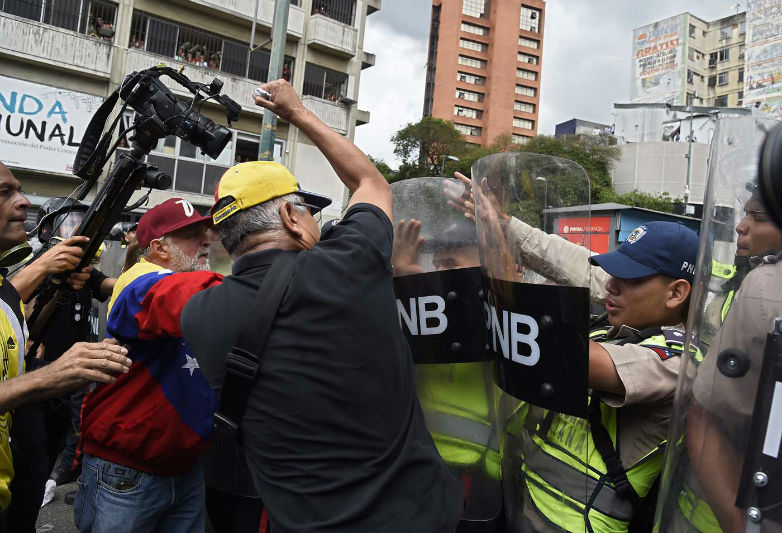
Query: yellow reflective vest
{"x": 566, "y": 476}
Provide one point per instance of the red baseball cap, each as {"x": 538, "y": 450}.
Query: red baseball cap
{"x": 171, "y": 215}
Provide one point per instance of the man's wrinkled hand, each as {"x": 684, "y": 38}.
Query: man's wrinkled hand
{"x": 284, "y": 102}
{"x": 461, "y": 199}
{"x": 86, "y": 362}
{"x": 63, "y": 256}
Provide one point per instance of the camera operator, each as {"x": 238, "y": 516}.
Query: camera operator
{"x": 39, "y": 435}
{"x": 333, "y": 432}
{"x": 81, "y": 364}
{"x": 143, "y": 435}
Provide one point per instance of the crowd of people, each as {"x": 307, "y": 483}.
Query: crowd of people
{"x": 282, "y": 397}
{"x": 198, "y": 55}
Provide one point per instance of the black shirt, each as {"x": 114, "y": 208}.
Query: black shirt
{"x": 74, "y": 318}
{"x": 333, "y": 431}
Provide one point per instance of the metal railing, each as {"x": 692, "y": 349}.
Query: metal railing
{"x": 343, "y": 11}
{"x": 95, "y": 18}
{"x": 324, "y": 83}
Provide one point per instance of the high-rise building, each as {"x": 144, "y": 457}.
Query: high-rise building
{"x": 484, "y": 67}
{"x": 733, "y": 61}
{"x": 60, "y": 60}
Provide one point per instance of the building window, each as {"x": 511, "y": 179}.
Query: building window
{"x": 526, "y": 91}
{"x": 721, "y": 101}
{"x": 690, "y": 99}
{"x": 530, "y": 19}
{"x": 692, "y": 30}
{"x": 464, "y": 129}
{"x": 95, "y": 18}
{"x": 712, "y": 81}
{"x": 200, "y": 48}
{"x": 741, "y": 75}
{"x": 524, "y": 107}
{"x": 529, "y": 43}
{"x": 742, "y": 27}
{"x": 723, "y": 55}
{"x": 473, "y": 45}
{"x": 694, "y": 54}
{"x": 325, "y": 83}
{"x": 723, "y": 78}
{"x": 470, "y": 78}
{"x": 472, "y": 62}
{"x": 713, "y": 59}
{"x": 741, "y": 51}
{"x": 527, "y": 58}
{"x": 519, "y": 139}
{"x": 468, "y": 112}
{"x": 523, "y": 123}
{"x": 689, "y": 76}
{"x": 470, "y": 96}
{"x": 343, "y": 11}
{"x": 472, "y": 28}
{"x": 739, "y": 98}
{"x": 526, "y": 74}
{"x": 476, "y": 8}
{"x": 725, "y": 32}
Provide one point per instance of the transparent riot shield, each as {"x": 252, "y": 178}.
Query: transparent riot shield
{"x": 722, "y": 471}
{"x": 438, "y": 288}
{"x": 535, "y": 237}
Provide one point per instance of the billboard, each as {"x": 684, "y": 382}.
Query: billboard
{"x": 763, "y": 70}
{"x": 589, "y": 232}
{"x": 659, "y": 69}
{"x": 41, "y": 126}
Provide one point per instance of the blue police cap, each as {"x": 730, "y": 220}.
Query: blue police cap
{"x": 668, "y": 248}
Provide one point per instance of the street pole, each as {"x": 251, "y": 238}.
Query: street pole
{"x": 252, "y": 41}
{"x": 279, "y": 32}
{"x": 689, "y": 166}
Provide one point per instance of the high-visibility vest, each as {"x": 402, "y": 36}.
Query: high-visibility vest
{"x": 457, "y": 404}
{"x": 566, "y": 476}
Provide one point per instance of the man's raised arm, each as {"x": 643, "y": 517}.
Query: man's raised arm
{"x": 351, "y": 165}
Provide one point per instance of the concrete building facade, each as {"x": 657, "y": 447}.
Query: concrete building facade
{"x": 68, "y": 56}
{"x": 484, "y": 67}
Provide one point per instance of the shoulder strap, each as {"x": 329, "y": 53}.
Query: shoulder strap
{"x": 241, "y": 365}
{"x": 637, "y": 338}
{"x": 615, "y": 471}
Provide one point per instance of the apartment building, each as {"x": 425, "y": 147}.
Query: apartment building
{"x": 685, "y": 60}
{"x": 484, "y": 67}
{"x": 59, "y": 60}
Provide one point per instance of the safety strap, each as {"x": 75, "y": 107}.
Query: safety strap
{"x": 244, "y": 359}
{"x": 615, "y": 471}
{"x": 91, "y": 155}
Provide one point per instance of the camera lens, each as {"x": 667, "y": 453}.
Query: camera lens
{"x": 157, "y": 179}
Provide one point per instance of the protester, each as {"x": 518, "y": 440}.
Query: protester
{"x": 81, "y": 364}
{"x": 143, "y": 435}
{"x": 334, "y": 435}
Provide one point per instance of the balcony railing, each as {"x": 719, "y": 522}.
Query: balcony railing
{"x": 54, "y": 46}
{"x": 334, "y": 115}
{"x": 325, "y": 32}
{"x": 246, "y": 8}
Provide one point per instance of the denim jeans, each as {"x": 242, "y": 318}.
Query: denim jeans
{"x": 113, "y": 498}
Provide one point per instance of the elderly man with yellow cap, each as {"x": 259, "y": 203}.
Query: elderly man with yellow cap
{"x": 321, "y": 373}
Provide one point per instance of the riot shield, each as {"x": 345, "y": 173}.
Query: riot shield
{"x": 722, "y": 471}
{"x": 534, "y": 229}
{"x": 438, "y": 290}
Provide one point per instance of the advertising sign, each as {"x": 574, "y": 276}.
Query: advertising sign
{"x": 591, "y": 233}
{"x": 763, "y": 71}
{"x": 658, "y": 61}
{"x": 41, "y": 126}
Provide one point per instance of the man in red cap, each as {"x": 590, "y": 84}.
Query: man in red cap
{"x": 143, "y": 434}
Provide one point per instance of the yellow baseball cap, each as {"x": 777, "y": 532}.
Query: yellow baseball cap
{"x": 255, "y": 182}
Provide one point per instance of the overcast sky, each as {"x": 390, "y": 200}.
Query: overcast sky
{"x": 586, "y": 61}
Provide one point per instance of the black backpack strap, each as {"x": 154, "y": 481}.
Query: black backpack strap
{"x": 244, "y": 359}
{"x": 615, "y": 471}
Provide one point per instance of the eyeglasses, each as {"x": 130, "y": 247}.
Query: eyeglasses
{"x": 314, "y": 210}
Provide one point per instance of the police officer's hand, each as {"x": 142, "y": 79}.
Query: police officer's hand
{"x": 64, "y": 256}
{"x": 461, "y": 198}
{"x": 407, "y": 245}
{"x": 77, "y": 280}
{"x": 86, "y": 362}
{"x": 284, "y": 102}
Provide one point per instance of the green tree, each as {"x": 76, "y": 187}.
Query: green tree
{"x": 422, "y": 146}
{"x": 659, "y": 202}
